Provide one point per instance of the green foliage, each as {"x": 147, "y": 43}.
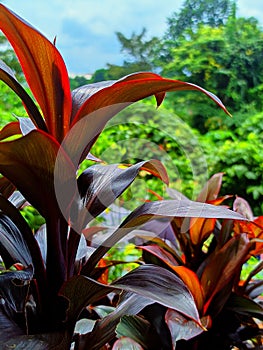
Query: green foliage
{"x": 126, "y": 253}
{"x": 240, "y": 155}
{"x": 227, "y": 61}
{"x": 10, "y": 105}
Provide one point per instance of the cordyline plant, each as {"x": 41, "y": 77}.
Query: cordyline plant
{"x": 46, "y": 288}
{"x": 208, "y": 255}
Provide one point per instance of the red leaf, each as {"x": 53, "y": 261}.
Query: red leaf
{"x": 44, "y": 70}
{"x": 161, "y": 254}
{"x": 9, "y": 130}
{"x": 211, "y": 189}
{"x": 223, "y": 265}
{"x": 35, "y": 156}
{"x": 192, "y": 282}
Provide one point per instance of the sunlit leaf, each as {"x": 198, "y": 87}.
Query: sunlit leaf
{"x": 9, "y": 130}
{"x": 162, "y": 286}
{"x": 44, "y": 70}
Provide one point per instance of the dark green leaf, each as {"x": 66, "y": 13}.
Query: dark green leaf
{"x": 138, "y": 329}
{"x": 244, "y": 306}
{"x": 104, "y": 330}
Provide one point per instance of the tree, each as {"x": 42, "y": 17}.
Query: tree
{"x": 213, "y": 13}
{"x": 138, "y": 49}
{"x": 226, "y": 60}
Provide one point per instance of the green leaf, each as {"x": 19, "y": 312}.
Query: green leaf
{"x": 44, "y": 70}
{"x": 104, "y": 330}
{"x": 139, "y": 330}
{"x": 244, "y": 306}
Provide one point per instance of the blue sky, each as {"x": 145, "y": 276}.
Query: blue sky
{"x": 85, "y": 28}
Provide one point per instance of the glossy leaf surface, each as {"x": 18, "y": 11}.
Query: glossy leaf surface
{"x": 44, "y": 70}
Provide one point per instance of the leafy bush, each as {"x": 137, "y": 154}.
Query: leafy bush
{"x": 240, "y": 155}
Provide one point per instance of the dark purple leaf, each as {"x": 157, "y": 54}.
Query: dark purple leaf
{"x": 211, "y": 189}
{"x": 223, "y": 265}
{"x": 100, "y": 185}
{"x": 25, "y": 235}
{"x": 161, "y": 286}
{"x": 153, "y": 210}
{"x": 82, "y": 93}
{"x": 181, "y": 327}
{"x": 14, "y": 287}
{"x": 13, "y": 247}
